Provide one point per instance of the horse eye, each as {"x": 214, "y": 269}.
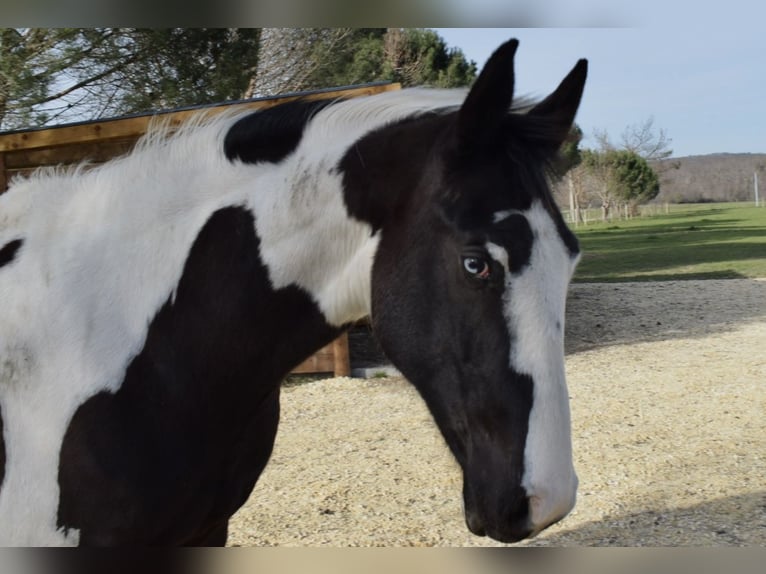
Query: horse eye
{"x": 477, "y": 267}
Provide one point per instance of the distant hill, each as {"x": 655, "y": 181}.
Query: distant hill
{"x": 714, "y": 177}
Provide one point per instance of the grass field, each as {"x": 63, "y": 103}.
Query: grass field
{"x": 707, "y": 241}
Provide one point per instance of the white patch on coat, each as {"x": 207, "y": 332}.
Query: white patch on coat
{"x": 337, "y": 271}
{"x": 104, "y": 249}
{"x": 534, "y": 306}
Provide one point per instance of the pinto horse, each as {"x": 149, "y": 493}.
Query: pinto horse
{"x": 151, "y": 306}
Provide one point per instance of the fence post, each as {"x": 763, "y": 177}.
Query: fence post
{"x": 340, "y": 356}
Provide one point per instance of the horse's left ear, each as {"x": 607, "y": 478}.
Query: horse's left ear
{"x": 556, "y": 113}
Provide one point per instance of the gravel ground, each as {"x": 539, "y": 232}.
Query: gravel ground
{"x": 667, "y": 392}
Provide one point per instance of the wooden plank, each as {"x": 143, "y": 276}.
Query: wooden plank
{"x": 133, "y": 127}
{"x": 341, "y": 362}
{"x": 95, "y": 152}
{"x": 66, "y": 135}
{"x": 320, "y": 362}
{"x": 332, "y": 358}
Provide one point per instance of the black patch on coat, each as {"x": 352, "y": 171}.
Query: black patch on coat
{"x": 383, "y": 170}
{"x": 170, "y": 456}
{"x": 8, "y": 251}
{"x": 515, "y": 235}
{"x": 272, "y": 134}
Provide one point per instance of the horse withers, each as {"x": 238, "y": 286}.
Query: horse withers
{"x": 151, "y": 306}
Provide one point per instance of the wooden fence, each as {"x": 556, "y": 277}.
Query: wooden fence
{"x": 23, "y": 151}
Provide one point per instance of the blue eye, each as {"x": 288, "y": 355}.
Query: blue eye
{"x": 477, "y": 266}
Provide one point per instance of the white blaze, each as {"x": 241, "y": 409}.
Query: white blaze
{"x": 534, "y": 306}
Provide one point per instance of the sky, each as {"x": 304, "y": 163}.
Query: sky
{"x": 699, "y": 73}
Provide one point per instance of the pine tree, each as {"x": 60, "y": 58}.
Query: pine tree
{"x": 49, "y": 76}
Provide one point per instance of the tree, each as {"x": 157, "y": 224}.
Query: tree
{"x": 597, "y": 166}
{"x": 419, "y": 57}
{"x": 629, "y": 174}
{"x": 49, "y": 76}
{"x": 622, "y": 177}
{"x": 311, "y": 58}
{"x": 568, "y": 168}
{"x": 635, "y": 182}
{"x": 30, "y": 61}
{"x": 357, "y": 57}
{"x": 289, "y": 56}
{"x": 187, "y": 66}
{"x": 642, "y": 140}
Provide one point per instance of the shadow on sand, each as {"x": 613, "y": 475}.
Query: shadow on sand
{"x": 603, "y": 314}
{"x": 730, "y": 521}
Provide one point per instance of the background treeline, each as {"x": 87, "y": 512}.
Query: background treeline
{"x": 714, "y": 177}
{"x": 617, "y": 176}
{"x": 709, "y": 178}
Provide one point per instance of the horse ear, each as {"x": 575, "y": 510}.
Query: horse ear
{"x": 556, "y": 113}
{"x": 490, "y": 97}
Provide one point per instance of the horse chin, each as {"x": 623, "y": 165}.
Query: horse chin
{"x": 506, "y": 527}
{"x": 474, "y": 523}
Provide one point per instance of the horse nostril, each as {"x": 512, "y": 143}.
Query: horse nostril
{"x": 510, "y": 525}
{"x": 501, "y": 513}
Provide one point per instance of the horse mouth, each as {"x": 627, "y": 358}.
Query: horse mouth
{"x": 474, "y": 524}
{"x": 512, "y": 531}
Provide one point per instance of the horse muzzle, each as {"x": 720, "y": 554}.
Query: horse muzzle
{"x": 513, "y": 516}
{"x": 512, "y": 530}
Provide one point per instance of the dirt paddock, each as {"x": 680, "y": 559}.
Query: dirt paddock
{"x": 668, "y": 405}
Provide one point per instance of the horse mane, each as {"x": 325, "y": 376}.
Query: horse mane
{"x": 193, "y": 137}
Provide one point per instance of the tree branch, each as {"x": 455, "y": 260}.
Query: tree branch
{"x": 90, "y": 80}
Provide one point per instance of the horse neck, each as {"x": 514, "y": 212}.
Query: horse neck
{"x": 309, "y": 240}
{"x": 321, "y": 229}
{"x": 306, "y": 236}
{"x": 320, "y": 210}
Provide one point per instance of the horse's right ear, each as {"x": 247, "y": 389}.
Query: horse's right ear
{"x": 489, "y": 99}
{"x": 556, "y": 113}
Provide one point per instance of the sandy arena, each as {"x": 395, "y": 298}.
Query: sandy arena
{"x": 667, "y": 385}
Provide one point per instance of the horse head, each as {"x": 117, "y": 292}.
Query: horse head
{"x": 469, "y": 287}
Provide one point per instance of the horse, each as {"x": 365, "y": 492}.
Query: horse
{"x": 152, "y": 305}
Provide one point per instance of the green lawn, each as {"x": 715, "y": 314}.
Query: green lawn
{"x": 708, "y": 241}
